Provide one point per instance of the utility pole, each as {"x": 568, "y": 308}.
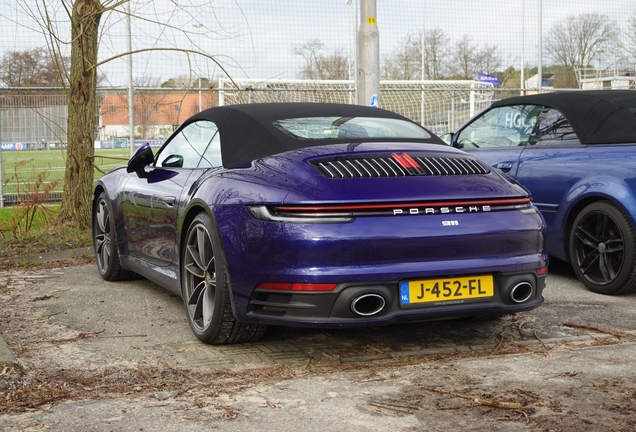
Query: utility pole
{"x": 131, "y": 92}
{"x": 523, "y": 47}
{"x": 368, "y": 73}
{"x": 540, "y": 53}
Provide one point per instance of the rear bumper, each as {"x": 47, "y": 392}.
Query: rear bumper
{"x": 335, "y": 308}
{"x": 372, "y": 255}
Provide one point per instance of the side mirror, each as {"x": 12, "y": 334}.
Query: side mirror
{"x": 173, "y": 161}
{"x": 141, "y": 159}
{"x": 448, "y": 138}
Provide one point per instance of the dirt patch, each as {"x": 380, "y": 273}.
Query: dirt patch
{"x": 38, "y": 388}
{"x": 81, "y": 339}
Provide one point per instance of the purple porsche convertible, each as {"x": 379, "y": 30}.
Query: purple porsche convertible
{"x": 318, "y": 215}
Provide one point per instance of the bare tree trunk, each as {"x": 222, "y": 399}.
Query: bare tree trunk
{"x": 82, "y": 113}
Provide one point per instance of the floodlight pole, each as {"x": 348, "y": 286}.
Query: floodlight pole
{"x": 540, "y": 66}
{"x": 523, "y": 47}
{"x": 368, "y": 73}
{"x": 131, "y": 91}
{"x": 423, "y": 64}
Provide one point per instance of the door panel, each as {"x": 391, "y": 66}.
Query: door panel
{"x": 499, "y": 135}
{"x": 152, "y": 200}
{"x": 150, "y": 212}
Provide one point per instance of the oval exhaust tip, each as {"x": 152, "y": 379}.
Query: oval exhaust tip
{"x": 368, "y": 304}
{"x": 521, "y": 292}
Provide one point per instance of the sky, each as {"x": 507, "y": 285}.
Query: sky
{"x": 255, "y": 39}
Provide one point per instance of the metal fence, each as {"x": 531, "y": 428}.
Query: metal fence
{"x": 33, "y": 125}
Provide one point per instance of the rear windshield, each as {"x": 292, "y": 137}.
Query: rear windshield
{"x": 321, "y": 128}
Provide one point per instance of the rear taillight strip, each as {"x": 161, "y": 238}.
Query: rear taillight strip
{"x": 343, "y": 213}
{"x": 345, "y": 208}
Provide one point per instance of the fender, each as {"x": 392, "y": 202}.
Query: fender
{"x": 111, "y": 183}
{"x": 596, "y": 188}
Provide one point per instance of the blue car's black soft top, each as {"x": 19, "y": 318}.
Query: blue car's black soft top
{"x": 597, "y": 116}
{"x": 248, "y": 132}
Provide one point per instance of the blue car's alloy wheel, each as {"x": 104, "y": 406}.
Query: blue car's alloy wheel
{"x": 205, "y": 290}
{"x": 104, "y": 242}
{"x": 602, "y": 244}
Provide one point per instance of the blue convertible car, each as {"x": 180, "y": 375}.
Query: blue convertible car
{"x": 576, "y": 153}
{"x": 318, "y": 215}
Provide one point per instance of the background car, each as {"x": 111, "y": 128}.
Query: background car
{"x": 576, "y": 153}
{"x": 318, "y": 215}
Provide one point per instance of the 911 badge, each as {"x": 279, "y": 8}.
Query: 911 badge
{"x": 450, "y": 223}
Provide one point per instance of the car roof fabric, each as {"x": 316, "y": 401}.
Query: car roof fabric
{"x": 247, "y": 131}
{"x": 597, "y": 116}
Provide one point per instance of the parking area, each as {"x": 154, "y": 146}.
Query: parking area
{"x": 563, "y": 366}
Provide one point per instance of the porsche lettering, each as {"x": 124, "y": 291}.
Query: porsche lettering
{"x": 442, "y": 210}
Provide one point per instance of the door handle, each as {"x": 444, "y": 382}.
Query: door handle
{"x": 170, "y": 201}
{"x": 504, "y": 166}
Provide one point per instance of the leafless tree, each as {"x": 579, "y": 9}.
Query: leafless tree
{"x": 630, "y": 36}
{"x": 436, "y": 45}
{"x": 464, "y": 58}
{"x": 319, "y": 66}
{"x": 487, "y": 59}
{"x": 186, "y": 82}
{"x": 146, "y": 101}
{"x": 30, "y": 68}
{"x": 405, "y": 63}
{"x": 79, "y": 81}
{"x": 578, "y": 41}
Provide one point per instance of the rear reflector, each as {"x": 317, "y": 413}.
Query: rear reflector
{"x": 542, "y": 271}
{"x": 295, "y": 286}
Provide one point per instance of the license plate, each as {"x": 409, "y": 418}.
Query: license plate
{"x": 443, "y": 290}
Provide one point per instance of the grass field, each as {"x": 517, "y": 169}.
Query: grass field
{"x": 21, "y": 237}
{"x": 22, "y": 170}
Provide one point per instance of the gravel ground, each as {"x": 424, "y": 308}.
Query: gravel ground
{"x": 99, "y": 356}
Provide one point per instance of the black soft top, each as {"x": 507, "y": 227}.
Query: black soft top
{"x": 597, "y": 116}
{"x": 247, "y": 131}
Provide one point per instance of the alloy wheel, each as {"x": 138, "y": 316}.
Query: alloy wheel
{"x": 102, "y": 236}
{"x": 599, "y": 248}
{"x": 200, "y": 277}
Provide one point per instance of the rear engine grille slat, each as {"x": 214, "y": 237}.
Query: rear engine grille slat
{"x": 388, "y": 165}
{"x": 404, "y": 165}
{"x": 400, "y": 169}
{"x": 379, "y": 165}
{"x": 344, "y": 167}
{"x": 433, "y": 166}
{"x": 355, "y": 169}
{"x": 371, "y": 166}
{"x": 357, "y": 161}
{"x": 336, "y": 169}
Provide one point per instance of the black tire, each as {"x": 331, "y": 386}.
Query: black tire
{"x": 205, "y": 288}
{"x": 602, "y": 242}
{"x": 105, "y": 242}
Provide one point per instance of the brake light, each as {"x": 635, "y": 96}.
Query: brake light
{"x": 282, "y": 286}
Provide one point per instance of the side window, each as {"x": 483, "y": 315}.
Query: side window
{"x": 509, "y": 126}
{"x": 553, "y": 128}
{"x": 184, "y": 150}
{"x": 212, "y": 155}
